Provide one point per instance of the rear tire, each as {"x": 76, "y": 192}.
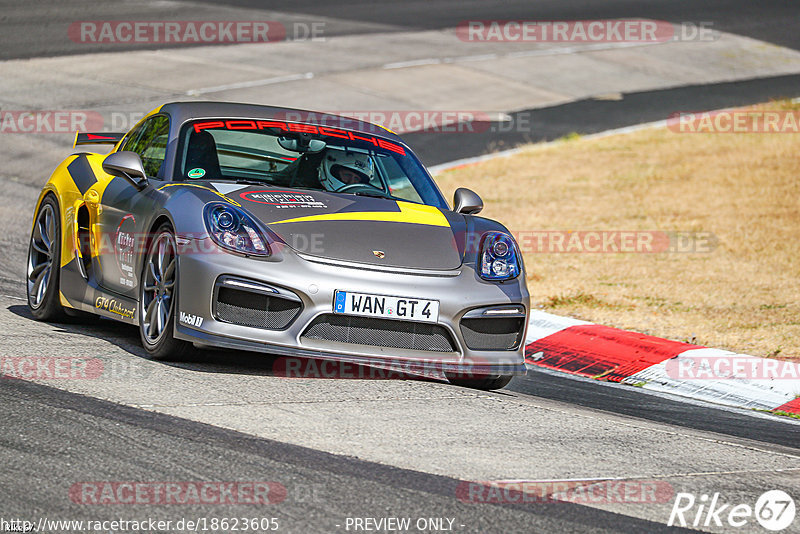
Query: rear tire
{"x": 158, "y": 295}
{"x": 487, "y": 383}
{"x": 44, "y": 263}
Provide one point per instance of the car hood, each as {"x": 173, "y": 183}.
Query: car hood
{"x": 354, "y": 228}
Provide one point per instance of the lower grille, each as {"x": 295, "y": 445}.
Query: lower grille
{"x": 380, "y": 333}
{"x": 500, "y": 333}
{"x": 258, "y": 310}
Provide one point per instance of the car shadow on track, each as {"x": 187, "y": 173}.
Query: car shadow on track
{"x": 211, "y": 360}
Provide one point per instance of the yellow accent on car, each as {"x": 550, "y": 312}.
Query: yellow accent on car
{"x": 409, "y": 213}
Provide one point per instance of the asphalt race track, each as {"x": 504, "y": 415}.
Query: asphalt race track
{"x": 592, "y": 116}
{"x": 355, "y": 448}
{"x": 167, "y": 448}
{"x": 31, "y": 29}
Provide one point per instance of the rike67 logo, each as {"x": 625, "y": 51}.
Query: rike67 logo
{"x": 774, "y": 510}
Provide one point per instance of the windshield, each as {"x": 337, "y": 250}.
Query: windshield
{"x": 303, "y": 156}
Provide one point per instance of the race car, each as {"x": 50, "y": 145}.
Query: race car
{"x": 283, "y": 231}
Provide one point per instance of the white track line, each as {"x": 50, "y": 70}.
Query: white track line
{"x": 539, "y": 52}
{"x": 251, "y": 83}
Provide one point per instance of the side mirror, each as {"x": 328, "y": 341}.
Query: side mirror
{"x": 126, "y": 165}
{"x": 467, "y": 201}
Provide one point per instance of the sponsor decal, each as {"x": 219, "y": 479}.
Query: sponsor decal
{"x": 114, "y": 306}
{"x": 191, "y": 320}
{"x": 196, "y": 173}
{"x": 298, "y": 128}
{"x": 283, "y": 199}
{"x": 125, "y": 250}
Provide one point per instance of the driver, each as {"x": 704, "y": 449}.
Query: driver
{"x": 340, "y": 169}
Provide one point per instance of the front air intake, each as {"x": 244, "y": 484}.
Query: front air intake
{"x": 492, "y": 333}
{"x": 254, "y": 309}
{"x": 380, "y": 333}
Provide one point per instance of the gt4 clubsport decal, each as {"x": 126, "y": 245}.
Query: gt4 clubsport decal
{"x": 114, "y": 306}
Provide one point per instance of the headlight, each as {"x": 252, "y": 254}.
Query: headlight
{"x": 499, "y": 259}
{"x": 232, "y": 228}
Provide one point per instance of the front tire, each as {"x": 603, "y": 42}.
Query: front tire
{"x": 158, "y": 298}
{"x": 486, "y": 383}
{"x": 44, "y": 263}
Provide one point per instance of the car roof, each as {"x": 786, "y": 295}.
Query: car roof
{"x": 185, "y": 111}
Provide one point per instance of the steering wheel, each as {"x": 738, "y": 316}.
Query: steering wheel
{"x": 352, "y": 188}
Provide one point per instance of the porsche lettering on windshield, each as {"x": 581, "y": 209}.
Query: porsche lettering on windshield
{"x": 291, "y": 155}
{"x": 299, "y": 128}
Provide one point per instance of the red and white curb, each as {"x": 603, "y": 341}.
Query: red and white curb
{"x": 714, "y": 375}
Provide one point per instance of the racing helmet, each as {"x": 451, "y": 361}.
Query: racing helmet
{"x": 336, "y": 161}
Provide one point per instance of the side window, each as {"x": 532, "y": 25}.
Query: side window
{"x": 399, "y": 184}
{"x": 130, "y": 140}
{"x": 149, "y": 140}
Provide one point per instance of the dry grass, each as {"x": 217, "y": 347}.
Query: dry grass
{"x": 742, "y": 188}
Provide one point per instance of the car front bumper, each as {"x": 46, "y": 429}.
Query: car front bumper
{"x": 313, "y": 282}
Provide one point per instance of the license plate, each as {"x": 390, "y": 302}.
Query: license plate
{"x": 368, "y": 305}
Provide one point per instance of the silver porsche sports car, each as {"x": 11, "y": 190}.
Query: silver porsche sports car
{"x": 229, "y": 225}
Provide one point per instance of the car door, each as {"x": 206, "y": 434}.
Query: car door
{"x": 125, "y": 210}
